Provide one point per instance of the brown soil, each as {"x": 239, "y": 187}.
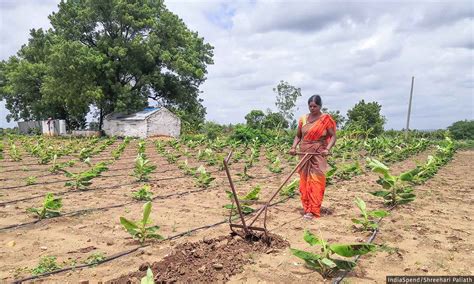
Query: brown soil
{"x": 208, "y": 260}
{"x": 431, "y": 236}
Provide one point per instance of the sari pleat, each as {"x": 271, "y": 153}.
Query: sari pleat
{"x": 313, "y": 173}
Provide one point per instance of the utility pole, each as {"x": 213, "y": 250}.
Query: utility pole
{"x": 409, "y": 107}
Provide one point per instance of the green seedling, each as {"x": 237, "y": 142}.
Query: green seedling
{"x": 143, "y": 168}
{"x": 245, "y": 201}
{"x": 244, "y": 174}
{"x": 188, "y": 170}
{"x": 46, "y": 264}
{"x": 349, "y": 171}
{"x": 324, "y": 262}
{"x": 85, "y": 153}
{"x": 203, "y": 178}
{"x": 143, "y": 193}
{"x": 95, "y": 258}
{"x": 51, "y": 207}
{"x": 148, "y": 279}
{"x": 289, "y": 190}
{"x": 139, "y": 229}
{"x": 367, "y": 222}
{"x": 141, "y": 147}
{"x": 83, "y": 180}
{"x": 15, "y": 153}
{"x": 275, "y": 166}
{"x": 31, "y": 180}
{"x": 395, "y": 191}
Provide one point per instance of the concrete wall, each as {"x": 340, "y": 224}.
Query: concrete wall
{"x": 25, "y": 127}
{"x": 134, "y": 128}
{"x": 164, "y": 122}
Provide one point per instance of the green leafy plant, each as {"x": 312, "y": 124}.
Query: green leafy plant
{"x": 395, "y": 191}
{"x": 15, "y": 153}
{"x": 275, "y": 166}
{"x": 46, "y": 264}
{"x": 139, "y": 229}
{"x": 245, "y": 201}
{"x": 51, "y": 207}
{"x": 31, "y": 180}
{"x": 367, "y": 221}
{"x": 143, "y": 168}
{"x": 188, "y": 170}
{"x": 289, "y": 190}
{"x": 244, "y": 174}
{"x": 203, "y": 178}
{"x": 143, "y": 193}
{"x": 324, "y": 262}
{"x": 83, "y": 180}
{"x": 148, "y": 279}
{"x": 95, "y": 258}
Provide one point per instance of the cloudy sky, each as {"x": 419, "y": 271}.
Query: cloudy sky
{"x": 343, "y": 50}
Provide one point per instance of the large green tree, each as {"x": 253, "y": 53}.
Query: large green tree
{"x": 366, "y": 117}
{"x": 113, "y": 55}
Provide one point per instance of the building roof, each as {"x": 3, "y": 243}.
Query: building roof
{"x": 141, "y": 115}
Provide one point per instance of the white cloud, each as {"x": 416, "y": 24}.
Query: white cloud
{"x": 344, "y": 50}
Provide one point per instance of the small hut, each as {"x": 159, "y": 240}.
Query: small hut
{"x": 146, "y": 123}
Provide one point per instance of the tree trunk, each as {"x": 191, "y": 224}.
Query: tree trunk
{"x": 101, "y": 118}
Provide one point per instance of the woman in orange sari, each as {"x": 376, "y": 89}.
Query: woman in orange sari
{"x": 317, "y": 134}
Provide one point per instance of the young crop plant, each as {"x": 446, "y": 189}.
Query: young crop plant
{"x": 46, "y": 264}
{"x": 160, "y": 148}
{"x": 148, "y": 278}
{"x": 15, "y": 154}
{"x": 51, "y": 207}
{"x": 139, "y": 229}
{"x": 395, "y": 192}
{"x": 275, "y": 166}
{"x": 245, "y": 201}
{"x": 31, "y": 180}
{"x": 325, "y": 263}
{"x": 331, "y": 173}
{"x": 143, "y": 168}
{"x": 83, "y": 180}
{"x": 143, "y": 193}
{"x": 367, "y": 217}
{"x": 203, "y": 178}
{"x": 289, "y": 190}
{"x": 95, "y": 258}
{"x": 348, "y": 171}
{"x": 244, "y": 174}
{"x": 141, "y": 147}
{"x": 188, "y": 170}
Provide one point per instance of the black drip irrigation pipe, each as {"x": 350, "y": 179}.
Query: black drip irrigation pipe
{"x": 127, "y": 252}
{"x": 369, "y": 241}
{"x": 83, "y": 211}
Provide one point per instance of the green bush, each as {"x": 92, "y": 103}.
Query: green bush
{"x": 462, "y": 130}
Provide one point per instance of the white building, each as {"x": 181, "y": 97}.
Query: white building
{"x": 146, "y": 123}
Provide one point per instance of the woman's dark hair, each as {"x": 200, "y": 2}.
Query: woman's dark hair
{"x": 315, "y": 99}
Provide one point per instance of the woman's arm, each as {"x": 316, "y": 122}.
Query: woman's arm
{"x": 332, "y": 141}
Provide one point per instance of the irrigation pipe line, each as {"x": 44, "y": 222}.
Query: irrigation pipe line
{"x": 127, "y": 252}
{"x": 89, "y": 210}
{"x": 83, "y": 211}
{"x": 369, "y": 241}
{"x": 62, "y": 193}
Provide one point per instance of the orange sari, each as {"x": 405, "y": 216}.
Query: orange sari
{"x": 315, "y": 139}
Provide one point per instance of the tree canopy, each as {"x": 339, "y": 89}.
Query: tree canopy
{"x": 366, "y": 117}
{"x": 463, "y": 129}
{"x": 113, "y": 55}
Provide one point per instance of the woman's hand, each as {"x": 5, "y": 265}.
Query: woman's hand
{"x": 292, "y": 151}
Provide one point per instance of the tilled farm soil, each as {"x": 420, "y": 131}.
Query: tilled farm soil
{"x": 206, "y": 261}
